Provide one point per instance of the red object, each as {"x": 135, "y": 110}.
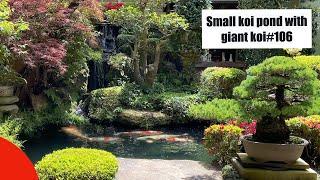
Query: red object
{"x": 15, "y": 165}
{"x": 116, "y": 6}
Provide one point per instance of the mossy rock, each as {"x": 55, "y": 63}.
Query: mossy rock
{"x": 9, "y": 108}
{"x": 8, "y": 100}
{"x": 143, "y": 119}
{"x": 103, "y": 103}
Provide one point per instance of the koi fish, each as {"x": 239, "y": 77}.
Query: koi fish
{"x": 139, "y": 133}
{"x": 167, "y": 138}
{"x": 76, "y": 132}
{"x": 106, "y": 139}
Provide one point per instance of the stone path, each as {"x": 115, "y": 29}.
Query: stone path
{"x": 156, "y": 169}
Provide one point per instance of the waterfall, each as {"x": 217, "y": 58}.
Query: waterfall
{"x": 98, "y": 70}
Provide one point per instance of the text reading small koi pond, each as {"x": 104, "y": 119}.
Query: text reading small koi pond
{"x": 163, "y": 143}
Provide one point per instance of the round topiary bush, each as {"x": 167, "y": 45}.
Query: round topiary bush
{"x": 78, "y": 164}
{"x": 217, "y": 82}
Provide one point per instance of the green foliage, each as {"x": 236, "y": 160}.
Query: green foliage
{"x": 103, "y": 103}
{"x": 10, "y": 77}
{"x": 279, "y": 73}
{"x": 9, "y": 30}
{"x": 177, "y": 105}
{"x": 75, "y": 79}
{"x": 78, "y": 164}
{"x": 219, "y": 82}
{"x": 220, "y": 110}
{"x": 229, "y": 173}
{"x": 311, "y": 61}
{"x": 120, "y": 62}
{"x": 139, "y": 97}
{"x": 192, "y": 10}
{"x": 309, "y": 129}
{"x": 267, "y": 4}
{"x": 10, "y": 130}
{"x": 221, "y": 141}
{"x": 255, "y": 56}
{"x": 145, "y": 31}
{"x": 34, "y": 122}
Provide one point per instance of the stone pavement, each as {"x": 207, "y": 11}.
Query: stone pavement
{"x": 157, "y": 169}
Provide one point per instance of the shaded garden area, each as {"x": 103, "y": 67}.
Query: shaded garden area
{"x": 129, "y": 78}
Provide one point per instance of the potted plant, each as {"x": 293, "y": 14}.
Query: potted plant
{"x": 9, "y": 79}
{"x": 278, "y": 88}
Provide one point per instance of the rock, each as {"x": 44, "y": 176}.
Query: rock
{"x": 144, "y": 119}
{"x": 8, "y": 100}
{"x": 9, "y": 108}
{"x": 6, "y": 91}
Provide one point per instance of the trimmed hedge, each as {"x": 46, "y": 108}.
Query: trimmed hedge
{"x": 104, "y": 102}
{"x": 311, "y": 61}
{"x": 217, "y": 110}
{"x": 309, "y": 129}
{"x": 78, "y": 164}
{"x": 217, "y": 82}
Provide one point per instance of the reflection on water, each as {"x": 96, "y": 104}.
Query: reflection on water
{"x": 156, "y": 147}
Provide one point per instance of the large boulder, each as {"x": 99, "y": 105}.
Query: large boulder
{"x": 9, "y": 108}
{"x": 8, "y": 100}
{"x": 143, "y": 119}
{"x": 103, "y": 103}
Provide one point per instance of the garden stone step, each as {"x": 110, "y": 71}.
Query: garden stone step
{"x": 144, "y": 119}
{"x": 8, "y": 100}
{"x": 9, "y": 108}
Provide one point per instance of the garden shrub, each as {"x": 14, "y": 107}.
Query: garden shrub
{"x": 104, "y": 102}
{"x": 309, "y": 129}
{"x": 78, "y": 164}
{"x": 230, "y": 173}
{"x": 221, "y": 141}
{"x": 219, "y": 82}
{"x": 138, "y": 97}
{"x": 311, "y": 61}
{"x": 220, "y": 110}
{"x": 177, "y": 106}
{"x": 34, "y": 122}
{"x": 10, "y": 130}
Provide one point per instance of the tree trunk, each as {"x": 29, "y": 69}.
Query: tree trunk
{"x": 136, "y": 64}
{"x": 271, "y": 129}
{"x": 153, "y": 68}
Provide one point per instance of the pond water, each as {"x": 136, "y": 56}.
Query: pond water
{"x": 187, "y": 144}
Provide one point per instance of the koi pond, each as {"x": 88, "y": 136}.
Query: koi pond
{"x": 181, "y": 143}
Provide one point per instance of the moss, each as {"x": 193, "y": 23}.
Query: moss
{"x": 219, "y": 82}
{"x": 103, "y": 103}
{"x": 144, "y": 119}
{"x": 78, "y": 164}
